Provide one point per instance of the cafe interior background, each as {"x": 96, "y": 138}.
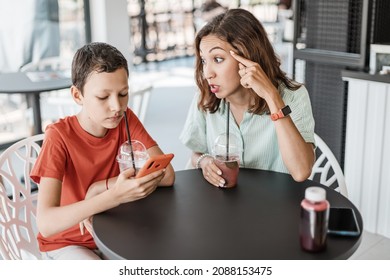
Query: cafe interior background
{"x": 340, "y": 49}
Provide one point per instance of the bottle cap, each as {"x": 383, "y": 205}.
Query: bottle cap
{"x": 315, "y": 194}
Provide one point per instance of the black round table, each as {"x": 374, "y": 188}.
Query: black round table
{"x": 258, "y": 219}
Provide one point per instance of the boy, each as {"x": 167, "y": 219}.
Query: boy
{"x": 77, "y": 172}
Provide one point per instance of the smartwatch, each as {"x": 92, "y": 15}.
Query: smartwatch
{"x": 285, "y": 111}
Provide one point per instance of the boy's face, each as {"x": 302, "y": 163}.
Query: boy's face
{"x": 104, "y": 100}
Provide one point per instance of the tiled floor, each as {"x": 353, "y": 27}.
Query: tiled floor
{"x": 372, "y": 247}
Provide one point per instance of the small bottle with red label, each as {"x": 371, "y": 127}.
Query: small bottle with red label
{"x": 314, "y": 220}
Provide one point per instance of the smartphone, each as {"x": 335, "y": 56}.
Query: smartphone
{"x": 342, "y": 221}
{"x": 154, "y": 163}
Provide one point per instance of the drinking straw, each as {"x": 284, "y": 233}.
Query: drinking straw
{"x": 227, "y": 131}
{"x": 129, "y": 140}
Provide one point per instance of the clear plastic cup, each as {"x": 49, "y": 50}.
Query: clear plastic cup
{"x": 124, "y": 157}
{"x": 227, "y": 160}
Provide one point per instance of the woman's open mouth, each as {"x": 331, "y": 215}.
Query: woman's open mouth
{"x": 214, "y": 88}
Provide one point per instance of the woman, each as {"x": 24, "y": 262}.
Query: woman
{"x": 271, "y": 114}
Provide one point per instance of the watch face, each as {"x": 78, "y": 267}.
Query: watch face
{"x": 286, "y": 110}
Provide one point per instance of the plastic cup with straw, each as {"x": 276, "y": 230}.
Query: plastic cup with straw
{"x": 226, "y": 154}
{"x": 132, "y": 153}
{"x": 129, "y": 140}
{"x": 227, "y": 131}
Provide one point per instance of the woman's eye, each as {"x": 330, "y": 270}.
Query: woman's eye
{"x": 102, "y": 98}
{"x": 123, "y": 94}
{"x": 202, "y": 61}
{"x": 218, "y": 59}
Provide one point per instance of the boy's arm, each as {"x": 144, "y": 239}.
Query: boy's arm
{"x": 125, "y": 189}
{"x": 100, "y": 186}
{"x": 49, "y": 209}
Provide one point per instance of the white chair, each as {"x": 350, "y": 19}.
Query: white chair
{"x": 326, "y": 169}
{"x": 18, "y": 197}
{"x": 139, "y": 101}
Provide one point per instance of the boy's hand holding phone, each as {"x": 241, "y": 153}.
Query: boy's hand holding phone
{"x": 127, "y": 188}
{"x": 145, "y": 182}
{"x": 154, "y": 163}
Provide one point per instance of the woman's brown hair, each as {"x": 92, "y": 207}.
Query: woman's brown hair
{"x": 245, "y": 33}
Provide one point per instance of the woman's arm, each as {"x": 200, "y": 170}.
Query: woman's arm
{"x": 297, "y": 154}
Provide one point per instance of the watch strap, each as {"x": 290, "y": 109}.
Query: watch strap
{"x": 285, "y": 111}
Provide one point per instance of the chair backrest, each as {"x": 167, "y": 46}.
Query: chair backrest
{"x": 18, "y": 197}
{"x": 139, "y": 101}
{"x": 326, "y": 169}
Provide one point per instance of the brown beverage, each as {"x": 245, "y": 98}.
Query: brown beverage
{"x": 229, "y": 168}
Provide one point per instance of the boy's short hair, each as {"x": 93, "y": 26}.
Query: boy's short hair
{"x": 96, "y": 57}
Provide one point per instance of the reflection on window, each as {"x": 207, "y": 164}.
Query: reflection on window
{"x": 72, "y": 26}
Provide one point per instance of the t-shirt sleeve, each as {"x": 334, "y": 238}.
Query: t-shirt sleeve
{"x": 301, "y": 112}
{"x": 51, "y": 159}
{"x": 193, "y": 134}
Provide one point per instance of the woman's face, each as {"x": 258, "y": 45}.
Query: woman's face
{"x": 220, "y": 69}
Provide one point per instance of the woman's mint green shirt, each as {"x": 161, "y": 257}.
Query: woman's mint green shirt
{"x": 256, "y": 133}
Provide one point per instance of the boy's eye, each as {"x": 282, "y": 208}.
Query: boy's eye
{"x": 106, "y": 97}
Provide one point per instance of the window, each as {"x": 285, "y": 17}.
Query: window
{"x": 28, "y": 33}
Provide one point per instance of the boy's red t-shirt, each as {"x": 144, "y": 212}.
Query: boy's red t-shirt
{"x": 78, "y": 159}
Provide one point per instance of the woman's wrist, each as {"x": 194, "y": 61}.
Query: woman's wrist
{"x": 274, "y": 101}
{"x": 200, "y": 158}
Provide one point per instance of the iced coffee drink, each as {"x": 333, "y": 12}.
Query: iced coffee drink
{"x": 226, "y": 154}
{"x": 126, "y": 154}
